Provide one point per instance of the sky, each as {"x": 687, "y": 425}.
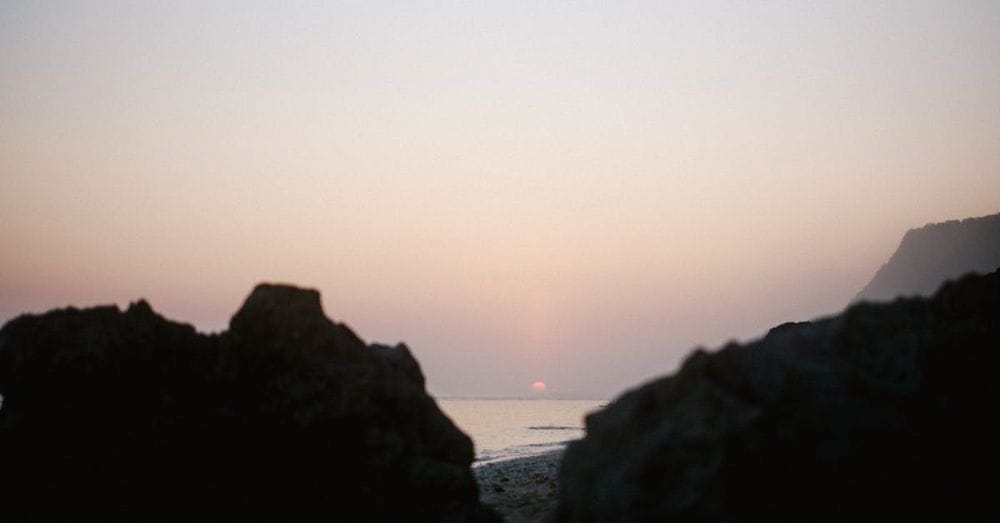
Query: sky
{"x": 570, "y": 192}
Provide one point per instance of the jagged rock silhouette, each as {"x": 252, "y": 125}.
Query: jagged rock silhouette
{"x": 881, "y": 413}
{"x": 115, "y": 415}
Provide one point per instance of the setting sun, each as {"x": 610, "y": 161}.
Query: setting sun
{"x": 538, "y": 386}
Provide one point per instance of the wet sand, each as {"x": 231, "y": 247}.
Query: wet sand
{"x": 522, "y": 489}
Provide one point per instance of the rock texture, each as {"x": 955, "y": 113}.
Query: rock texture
{"x": 884, "y": 412}
{"x": 935, "y": 253}
{"x": 112, "y": 415}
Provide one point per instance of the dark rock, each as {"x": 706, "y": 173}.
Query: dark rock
{"x": 400, "y": 358}
{"x": 881, "y": 413}
{"x": 112, "y": 415}
{"x": 935, "y": 253}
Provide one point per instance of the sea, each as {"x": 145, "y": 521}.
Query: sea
{"x": 503, "y": 429}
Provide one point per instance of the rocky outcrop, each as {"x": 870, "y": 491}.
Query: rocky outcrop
{"x": 935, "y": 253}
{"x": 881, "y": 413}
{"x": 285, "y": 416}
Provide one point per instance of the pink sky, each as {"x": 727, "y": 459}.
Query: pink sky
{"x": 573, "y": 194}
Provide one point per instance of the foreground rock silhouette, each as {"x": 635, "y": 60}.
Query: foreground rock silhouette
{"x": 112, "y": 415}
{"x": 884, "y": 412}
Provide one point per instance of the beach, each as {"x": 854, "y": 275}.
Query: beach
{"x": 522, "y": 489}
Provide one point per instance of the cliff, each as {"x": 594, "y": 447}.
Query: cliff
{"x": 935, "y": 253}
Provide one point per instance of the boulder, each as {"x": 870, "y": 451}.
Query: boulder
{"x": 124, "y": 415}
{"x": 881, "y": 413}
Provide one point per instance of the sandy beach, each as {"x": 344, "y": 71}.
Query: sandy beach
{"x": 522, "y": 489}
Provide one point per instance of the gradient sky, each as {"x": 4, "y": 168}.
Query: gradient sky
{"x": 571, "y": 192}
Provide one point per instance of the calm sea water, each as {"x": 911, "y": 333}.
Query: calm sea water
{"x": 505, "y": 429}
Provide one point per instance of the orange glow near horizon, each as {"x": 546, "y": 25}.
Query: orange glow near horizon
{"x": 538, "y": 387}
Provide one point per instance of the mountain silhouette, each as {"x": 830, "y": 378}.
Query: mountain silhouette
{"x": 935, "y": 253}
